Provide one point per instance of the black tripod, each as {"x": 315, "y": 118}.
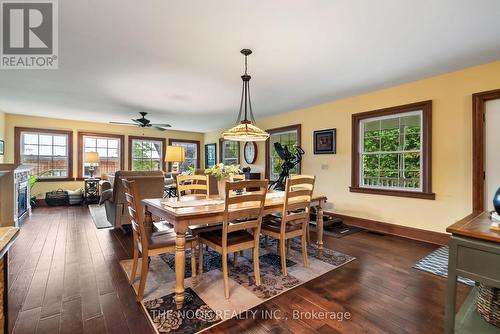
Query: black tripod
{"x": 290, "y": 160}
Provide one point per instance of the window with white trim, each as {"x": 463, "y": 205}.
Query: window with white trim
{"x": 109, "y": 150}
{"x": 391, "y": 152}
{"x": 146, "y": 154}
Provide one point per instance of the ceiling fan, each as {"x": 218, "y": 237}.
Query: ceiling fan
{"x": 143, "y": 122}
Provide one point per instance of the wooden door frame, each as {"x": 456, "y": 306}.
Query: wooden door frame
{"x": 478, "y": 146}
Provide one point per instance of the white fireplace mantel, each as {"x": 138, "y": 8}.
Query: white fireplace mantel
{"x": 12, "y": 176}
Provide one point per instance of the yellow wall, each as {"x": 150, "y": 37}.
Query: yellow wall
{"x": 12, "y": 121}
{"x": 451, "y": 146}
{"x": 2, "y": 132}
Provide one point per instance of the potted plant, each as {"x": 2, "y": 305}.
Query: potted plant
{"x": 223, "y": 173}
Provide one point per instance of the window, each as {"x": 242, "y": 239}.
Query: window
{"x": 49, "y": 152}
{"x": 110, "y": 150}
{"x": 289, "y": 137}
{"x": 229, "y": 152}
{"x": 191, "y": 153}
{"x": 146, "y": 153}
{"x": 391, "y": 151}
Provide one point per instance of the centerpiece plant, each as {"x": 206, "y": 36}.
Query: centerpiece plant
{"x": 223, "y": 173}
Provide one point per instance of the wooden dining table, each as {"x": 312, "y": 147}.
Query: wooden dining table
{"x": 191, "y": 210}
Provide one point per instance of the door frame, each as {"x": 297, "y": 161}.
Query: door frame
{"x": 478, "y": 146}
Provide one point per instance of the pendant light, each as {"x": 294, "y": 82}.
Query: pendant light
{"x": 245, "y": 129}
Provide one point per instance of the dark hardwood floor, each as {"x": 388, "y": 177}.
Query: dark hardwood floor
{"x": 65, "y": 277}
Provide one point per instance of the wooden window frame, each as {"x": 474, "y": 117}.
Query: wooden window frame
{"x": 298, "y": 128}
{"x": 426, "y": 192}
{"x": 96, "y": 134}
{"x": 164, "y": 147}
{"x": 221, "y": 152}
{"x": 189, "y": 141}
{"x": 68, "y": 133}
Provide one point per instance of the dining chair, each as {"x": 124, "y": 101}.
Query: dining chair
{"x": 294, "y": 220}
{"x": 192, "y": 184}
{"x": 148, "y": 243}
{"x": 242, "y": 213}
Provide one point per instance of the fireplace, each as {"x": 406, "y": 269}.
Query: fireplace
{"x": 14, "y": 194}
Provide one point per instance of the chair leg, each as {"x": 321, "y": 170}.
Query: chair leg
{"x": 256, "y": 269}
{"x": 288, "y": 242}
{"x": 304, "y": 249}
{"x": 241, "y": 253}
{"x": 226, "y": 274}
{"x": 144, "y": 276}
{"x": 266, "y": 242}
{"x": 278, "y": 242}
{"x": 193, "y": 262}
{"x": 200, "y": 257}
{"x": 308, "y": 235}
{"x": 282, "y": 244}
{"x": 235, "y": 259}
{"x": 134, "y": 266}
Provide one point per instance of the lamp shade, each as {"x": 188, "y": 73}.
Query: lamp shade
{"x": 175, "y": 154}
{"x": 91, "y": 157}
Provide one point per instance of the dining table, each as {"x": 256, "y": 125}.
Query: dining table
{"x": 194, "y": 210}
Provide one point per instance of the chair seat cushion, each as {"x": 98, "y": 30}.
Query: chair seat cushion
{"x": 233, "y": 238}
{"x": 197, "y": 229}
{"x": 165, "y": 238}
{"x": 275, "y": 226}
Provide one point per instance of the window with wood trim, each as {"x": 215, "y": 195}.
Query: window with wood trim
{"x": 229, "y": 152}
{"x": 191, "y": 153}
{"x": 392, "y": 151}
{"x": 289, "y": 137}
{"x": 49, "y": 152}
{"x": 108, "y": 146}
{"x": 146, "y": 153}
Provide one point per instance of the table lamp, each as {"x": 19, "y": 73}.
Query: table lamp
{"x": 175, "y": 155}
{"x": 92, "y": 158}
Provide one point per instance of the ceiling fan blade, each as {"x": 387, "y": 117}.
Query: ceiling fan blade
{"x": 161, "y": 125}
{"x": 123, "y": 123}
{"x": 158, "y": 128}
{"x": 137, "y": 121}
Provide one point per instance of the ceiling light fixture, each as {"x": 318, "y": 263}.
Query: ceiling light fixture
{"x": 245, "y": 130}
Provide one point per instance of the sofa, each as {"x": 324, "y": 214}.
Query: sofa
{"x": 150, "y": 184}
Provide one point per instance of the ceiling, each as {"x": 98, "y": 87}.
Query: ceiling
{"x": 180, "y": 60}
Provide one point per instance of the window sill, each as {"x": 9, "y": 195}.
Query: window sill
{"x": 397, "y": 193}
{"x": 56, "y": 179}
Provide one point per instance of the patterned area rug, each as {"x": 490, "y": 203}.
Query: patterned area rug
{"x": 437, "y": 263}
{"x": 205, "y": 304}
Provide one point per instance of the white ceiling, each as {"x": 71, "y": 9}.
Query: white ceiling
{"x": 180, "y": 60}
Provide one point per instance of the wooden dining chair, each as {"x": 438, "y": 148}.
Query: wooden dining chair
{"x": 242, "y": 213}
{"x": 192, "y": 184}
{"x": 147, "y": 243}
{"x": 294, "y": 220}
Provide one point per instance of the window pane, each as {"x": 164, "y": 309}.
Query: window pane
{"x": 45, "y": 150}
{"x": 60, "y": 140}
{"x": 90, "y": 142}
{"x": 412, "y": 138}
{"x": 113, "y": 153}
{"x": 45, "y": 140}
{"x": 102, "y": 142}
{"x": 59, "y": 151}
{"x": 30, "y": 138}
{"x": 113, "y": 143}
{"x": 102, "y": 152}
{"x": 30, "y": 150}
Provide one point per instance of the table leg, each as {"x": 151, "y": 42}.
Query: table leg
{"x": 180, "y": 263}
{"x": 449, "y": 313}
{"x": 319, "y": 226}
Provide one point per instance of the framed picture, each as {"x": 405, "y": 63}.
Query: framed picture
{"x": 1, "y": 147}
{"x": 325, "y": 141}
{"x": 210, "y": 155}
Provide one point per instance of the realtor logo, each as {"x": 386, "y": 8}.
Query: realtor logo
{"x": 29, "y": 34}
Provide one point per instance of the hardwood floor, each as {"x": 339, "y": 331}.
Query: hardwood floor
{"x": 65, "y": 277}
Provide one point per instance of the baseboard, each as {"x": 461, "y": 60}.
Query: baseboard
{"x": 392, "y": 229}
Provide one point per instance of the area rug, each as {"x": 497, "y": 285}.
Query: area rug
{"x": 437, "y": 263}
{"x": 205, "y": 304}
{"x": 98, "y": 213}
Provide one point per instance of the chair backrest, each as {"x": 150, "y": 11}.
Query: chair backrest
{"x": 243, "y": 211}
{"x": 239, "y": 177}
{"x": 118, "y": 191}
{"x": 194, "y": 184}
{"x": 133, "y": 205}
{"x": 298, "y": 193}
